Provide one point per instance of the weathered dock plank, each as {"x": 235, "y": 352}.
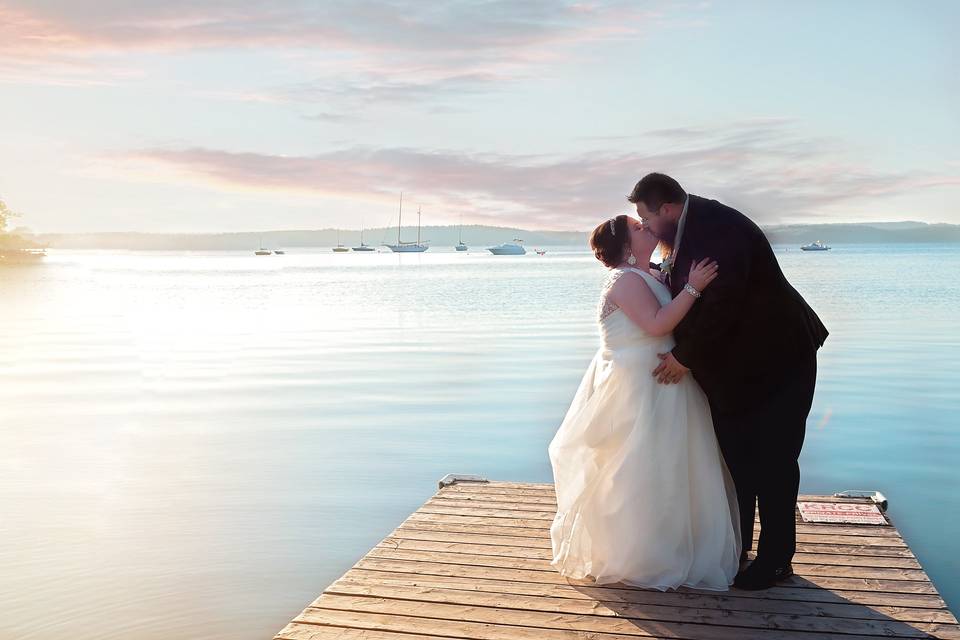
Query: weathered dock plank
{"x": 441, "y": 542}
{"x": 474, "y": 563}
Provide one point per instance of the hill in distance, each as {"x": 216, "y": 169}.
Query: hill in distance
{"x": 864, "y": 233}
{"x": 476, "y": 236}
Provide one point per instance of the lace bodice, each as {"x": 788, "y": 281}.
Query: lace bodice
{"x": 607, "y": 306}
{"x": 617, "y": 331}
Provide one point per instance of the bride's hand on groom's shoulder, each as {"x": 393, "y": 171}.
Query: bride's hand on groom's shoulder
{"x": 703, "y": 273}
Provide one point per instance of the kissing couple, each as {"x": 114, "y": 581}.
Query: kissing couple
{"x": 692, "y": 413}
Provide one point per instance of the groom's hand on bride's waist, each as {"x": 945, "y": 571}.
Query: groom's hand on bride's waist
{"x": 669, "y": 371}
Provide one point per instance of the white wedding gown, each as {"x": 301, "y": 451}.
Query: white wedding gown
{"x": 643, "y": 495}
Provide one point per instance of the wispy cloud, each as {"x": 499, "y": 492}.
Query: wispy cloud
{"x": 352, "y": 95}
{"x": 466, "y": 27}
{"x": 766, "y": 167}
{"x": 401, "y": 49}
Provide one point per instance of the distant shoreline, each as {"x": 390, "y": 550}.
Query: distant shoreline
{"x": 477, "y": 236}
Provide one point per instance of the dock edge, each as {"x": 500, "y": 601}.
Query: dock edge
{"x": 453, "y": 478}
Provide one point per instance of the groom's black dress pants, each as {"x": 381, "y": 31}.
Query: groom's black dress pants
{"x": 761, "y": 446}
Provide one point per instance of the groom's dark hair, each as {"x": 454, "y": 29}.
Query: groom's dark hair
{"x": 656, "y": 189}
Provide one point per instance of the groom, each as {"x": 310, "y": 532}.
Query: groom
{"x": 751, "y": 343}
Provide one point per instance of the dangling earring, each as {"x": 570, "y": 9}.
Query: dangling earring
{"x": 631, "y": 260}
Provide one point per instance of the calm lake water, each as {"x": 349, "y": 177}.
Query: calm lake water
{"x": 194, "y": 445}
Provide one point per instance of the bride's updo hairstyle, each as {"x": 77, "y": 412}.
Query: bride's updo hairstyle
{"x": 610, "y": 244}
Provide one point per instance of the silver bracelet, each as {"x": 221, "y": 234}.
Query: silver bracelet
{"x": 692, "y": 290}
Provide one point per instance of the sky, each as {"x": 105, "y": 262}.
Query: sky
{"x": 183, "y": 116}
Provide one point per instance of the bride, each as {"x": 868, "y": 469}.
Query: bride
{"x": 643, "y": 495}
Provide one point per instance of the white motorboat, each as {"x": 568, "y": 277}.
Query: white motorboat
{"x": 815, "y": 246}
{"x": 514, "y": 248}
{"x": 407, "y": 247}
{"x": 22, "y": 256}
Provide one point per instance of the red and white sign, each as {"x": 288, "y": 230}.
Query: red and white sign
{"x": 841, "y": 512}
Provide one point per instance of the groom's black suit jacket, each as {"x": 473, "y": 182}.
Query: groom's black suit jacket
{"x": 750, "y": 327}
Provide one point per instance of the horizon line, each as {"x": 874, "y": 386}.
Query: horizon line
{"x": 455, "y": 226}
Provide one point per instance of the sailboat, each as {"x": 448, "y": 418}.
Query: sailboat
{"x": 363, "y": 246}
{"x": 460, "y": 246}
{"x": 340, "y": 248}
{"x": 261, "y": 251}
{"x": 407, "y": 247}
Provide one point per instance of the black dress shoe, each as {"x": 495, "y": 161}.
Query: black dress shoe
{"x": 760, "y": 575}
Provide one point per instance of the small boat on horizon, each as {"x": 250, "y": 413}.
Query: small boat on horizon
{"x": 340, "y": 248}
{"x": 514, "y": 248}
{"x": 815, "y": 246}
{"x": 261, "y": 251}
{"x": 540, "y": 252}
{"x": 460, "y": 246}
{"x": 407, "y": 247}
{"x": 363, "y": 246}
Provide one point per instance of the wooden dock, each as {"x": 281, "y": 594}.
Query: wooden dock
{"x": 473, "y": 562}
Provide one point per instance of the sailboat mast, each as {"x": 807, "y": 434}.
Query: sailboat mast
{"x": 418, "y": 226}
{"x": 399, "y": 218}
{"x": 460, "y": 238}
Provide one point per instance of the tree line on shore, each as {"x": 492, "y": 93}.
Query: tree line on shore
{"x": 475, "y": 235}
{"x": 17, "y": 238}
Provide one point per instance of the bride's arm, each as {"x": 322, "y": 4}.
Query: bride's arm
{"x": 637, "y": 301}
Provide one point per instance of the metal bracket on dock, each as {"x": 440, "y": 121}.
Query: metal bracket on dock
{"x": 453, "y": 478}
{"x": 878, "y": 498}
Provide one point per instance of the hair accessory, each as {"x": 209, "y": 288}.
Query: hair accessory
{"x": 613, "y": 229}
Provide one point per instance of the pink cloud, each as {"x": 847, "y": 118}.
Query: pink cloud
{"x": 393, "y": 41}
{"x": 761, "y": 166}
